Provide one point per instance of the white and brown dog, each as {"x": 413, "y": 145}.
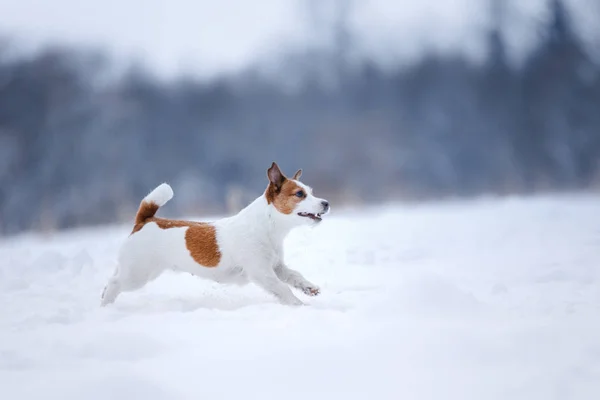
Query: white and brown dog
{"x": 246, "y": 247}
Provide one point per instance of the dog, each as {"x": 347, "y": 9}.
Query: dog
{"x": 243, "y": 248}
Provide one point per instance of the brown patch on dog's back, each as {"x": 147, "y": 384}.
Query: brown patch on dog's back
{"x": 200, "y": 238}
{"x": 201, "y": 241}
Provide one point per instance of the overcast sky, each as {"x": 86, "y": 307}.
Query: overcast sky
{"x": 208, "y": 37}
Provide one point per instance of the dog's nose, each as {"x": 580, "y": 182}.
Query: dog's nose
{"x": 325, "y": 204}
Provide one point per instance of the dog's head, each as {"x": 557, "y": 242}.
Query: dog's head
{"x": 293, "y": 199}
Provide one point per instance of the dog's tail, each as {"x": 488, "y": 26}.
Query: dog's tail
{"x": 152, "y": 202}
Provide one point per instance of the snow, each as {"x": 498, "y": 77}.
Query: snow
{"x": 486, "y": 299}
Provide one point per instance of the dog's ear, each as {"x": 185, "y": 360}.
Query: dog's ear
{"x": 275, "y": 176}
{"x": 298, "y": 174}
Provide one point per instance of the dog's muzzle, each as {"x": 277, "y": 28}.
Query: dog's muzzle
{"x": 318, "y": 217}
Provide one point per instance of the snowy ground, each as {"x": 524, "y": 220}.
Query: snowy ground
{"x": 493, "y": 299}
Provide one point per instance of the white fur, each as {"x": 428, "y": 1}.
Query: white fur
{"x": 160, "y": 196}
{"x": 250, "y": 242}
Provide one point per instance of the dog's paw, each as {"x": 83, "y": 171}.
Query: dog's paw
{"x": 311, "y": 290}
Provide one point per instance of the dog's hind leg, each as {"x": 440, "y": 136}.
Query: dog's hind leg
{"x": 128, "y": 277}
{"x": 110, "y": 292}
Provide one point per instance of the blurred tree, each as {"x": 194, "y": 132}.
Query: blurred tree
{"x": 498, "y": 101}
{"x": 78, "y": 146}
{"x": 557, "y": 120}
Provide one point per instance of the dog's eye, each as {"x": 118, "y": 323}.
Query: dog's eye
{"x": 300, "y": 193}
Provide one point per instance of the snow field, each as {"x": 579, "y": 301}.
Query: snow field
{"x": 487, "y": 299}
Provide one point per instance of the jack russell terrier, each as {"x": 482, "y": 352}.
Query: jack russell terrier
{"x": 246, "y": 247}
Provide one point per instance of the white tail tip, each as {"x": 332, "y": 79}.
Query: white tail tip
{"x": 160, "y": 195}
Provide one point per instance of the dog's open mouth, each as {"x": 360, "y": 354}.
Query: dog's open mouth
{"x": 314, "y": 217}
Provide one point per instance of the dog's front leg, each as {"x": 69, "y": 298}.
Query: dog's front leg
{"x": 296, "y": 279}
{"x": 268, "y": 280}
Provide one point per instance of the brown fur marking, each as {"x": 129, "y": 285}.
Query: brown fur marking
{"x": 201, "y": 241}
{"x": 164, "y": 223}
{"x": 200, "y": 238}
{"x": 282, "y": 191}
{"x": 271, "y": 193}
{"x": 284, "y": 200}
{"x": 146, "y": 210}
